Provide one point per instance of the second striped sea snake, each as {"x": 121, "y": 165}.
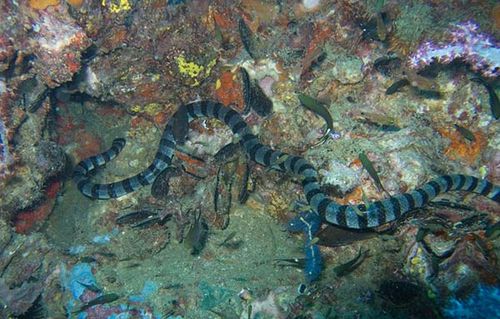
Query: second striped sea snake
{"x": 324, "y": 209}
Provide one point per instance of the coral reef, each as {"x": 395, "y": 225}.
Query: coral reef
{"x": 75, "y": 75}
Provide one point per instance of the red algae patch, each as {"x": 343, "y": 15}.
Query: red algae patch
{"x": 228, "y": 90}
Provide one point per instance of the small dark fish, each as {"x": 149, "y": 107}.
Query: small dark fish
{"x": 89, "y": 54}
{"x": 291, "y": 262}
{"x": 245, "y": 79}
{"x": 91, "y": 286}
{"x": 372, "y": 28}
{"x": 351, "y": 265}
{"x": 173, "y": 286}
{"x": 216, "y": 189}
{"x": 227, "y": 152}
{"x": 225, "y": 313}
{"x": 380, "y": 126}
{"x": 180, "y": 127}
{"x": 107, "y": 298}
{"x": 229, "y": 243}
{"x": 467, "y": 134}
{"x": 396, "y": 86}
{"x": 449, "y": 204}
{"x": 387, "y": 65}
{"x": 247, "y": 38}
{"x": 332, "y": 236}
{"x": 233, "y": 245}
{"x": 368, "y": 166}
{"x": 34, "y": 93}
{"x": 320, "y": 109}
{"x": 228, "y": 238}
{"x": 197, "y": 236}
{"x": 494, "y": 100}
{"x": 134, "y": 217}
{"x": 469, "y": 222}
{"x": 87, "y": 259}
{"x": 160, "y": 187}
{"x": 381, "y": 27}
{"x": 244, "y": 191}
{"x": 423, "y": 83}
{"x": 226, "y": 175}
{"x": 150, "y": 221}
{"x": 254, "y": 96}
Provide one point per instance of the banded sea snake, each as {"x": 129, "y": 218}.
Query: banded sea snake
{"x": 350, "y": 216}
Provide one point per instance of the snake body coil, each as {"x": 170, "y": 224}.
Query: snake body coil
{"x": 350, "y": 216}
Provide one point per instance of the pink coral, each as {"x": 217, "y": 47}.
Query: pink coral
{"x": 466, "y": 43}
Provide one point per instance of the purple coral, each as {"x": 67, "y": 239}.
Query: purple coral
{"x": 467, "y": 44}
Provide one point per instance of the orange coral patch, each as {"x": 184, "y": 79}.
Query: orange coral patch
{"x": 42, "y": 4}
{"x": 228, "y": 90}
{"x": 460, "y": 148}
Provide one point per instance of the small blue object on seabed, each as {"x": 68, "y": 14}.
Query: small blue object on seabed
{"x": 484, "y": 302}
{"x": 309, "y": 222}
{"x": 150, "y": 287}
{"x": 75, "y": 281}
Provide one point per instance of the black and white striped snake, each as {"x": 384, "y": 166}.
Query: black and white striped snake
{"x": 350, "y": 216}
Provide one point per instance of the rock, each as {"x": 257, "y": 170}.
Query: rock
{"x": 348, "y": 69}
{"x": 440, "y": 247}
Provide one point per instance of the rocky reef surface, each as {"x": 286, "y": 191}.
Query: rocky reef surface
{"x": 208, "y": 238}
